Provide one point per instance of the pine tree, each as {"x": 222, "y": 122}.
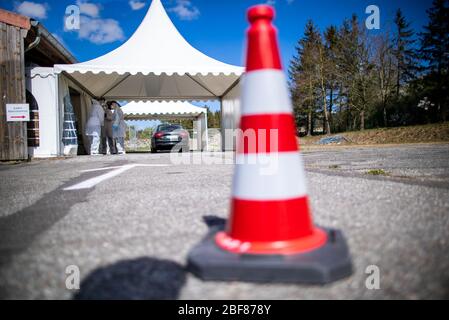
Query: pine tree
{"x": 323, "y": 73}
{"x": 356, "y": 72}
{"x": 303, "y": 80}
{"x": 404, "y": 52}
{"x": 434, "y": 50}
{"x": 331, "y": 41}
{"x": 347, "y": 63}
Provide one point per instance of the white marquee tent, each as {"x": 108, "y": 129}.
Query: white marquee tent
{"x": 146, "y": 110}
{"x": 157, "y": 63}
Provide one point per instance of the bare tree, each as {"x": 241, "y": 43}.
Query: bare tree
{"x": 385, "y": 72}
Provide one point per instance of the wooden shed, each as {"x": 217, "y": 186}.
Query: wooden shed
{"x": 13, "y": 135}
{"x": 24, "y": 43}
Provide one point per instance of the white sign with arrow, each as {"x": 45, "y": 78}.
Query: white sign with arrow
{"x": 17, "y": 112}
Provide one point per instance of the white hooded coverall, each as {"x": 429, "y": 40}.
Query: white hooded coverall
{"x": 93, "y": 127}
{"x": 119, "y": 129}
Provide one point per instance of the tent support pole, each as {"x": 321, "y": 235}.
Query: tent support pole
{"x": 223, "y": 138}
{"x": 223, "y": 128}
{"x": 206, "y": 131}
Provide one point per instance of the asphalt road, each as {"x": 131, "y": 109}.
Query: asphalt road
{"x": 130, "y": 235}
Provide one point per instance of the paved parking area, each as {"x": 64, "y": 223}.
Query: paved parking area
{"x": 130, "y": 233}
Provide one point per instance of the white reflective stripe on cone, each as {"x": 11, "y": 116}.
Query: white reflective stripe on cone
{"x": 269, "y": 176}
{"x": 258, "y": 99}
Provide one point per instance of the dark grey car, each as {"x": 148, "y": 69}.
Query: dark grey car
{"x": 169, "y": 136}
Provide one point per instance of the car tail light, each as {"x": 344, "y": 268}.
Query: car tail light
{"x": 184, "y": 134}
{"x": 158, "y": 134}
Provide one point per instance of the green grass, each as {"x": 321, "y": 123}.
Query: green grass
{"x": 377, "y": 172}
{"x": 437, "y": 132}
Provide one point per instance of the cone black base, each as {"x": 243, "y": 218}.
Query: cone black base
{"x": 326, "y": 264}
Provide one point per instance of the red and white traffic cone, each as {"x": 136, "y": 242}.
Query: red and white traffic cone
{"x": 270, "y": 235}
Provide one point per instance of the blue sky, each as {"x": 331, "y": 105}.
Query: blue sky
{"x": 215, "y": 27}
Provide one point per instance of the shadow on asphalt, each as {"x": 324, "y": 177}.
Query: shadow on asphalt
{"x": 214, "y": 222}
{"x": 19, "y": 230}
{"x": 139, "y": 279}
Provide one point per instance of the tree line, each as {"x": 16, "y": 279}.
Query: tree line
{"x": 213, "y": 120}
{"x": 348, "y": 78}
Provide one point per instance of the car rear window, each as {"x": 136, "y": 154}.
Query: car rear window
{"x": 169, "y": 128}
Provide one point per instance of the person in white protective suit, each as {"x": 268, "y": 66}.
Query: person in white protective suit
{"x": 94, "y": 127}
{"x": 107, "y": 137}
{"x": 118, "y": 127}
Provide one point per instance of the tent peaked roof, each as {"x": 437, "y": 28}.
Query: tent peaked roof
{"x": 156, "y": 49}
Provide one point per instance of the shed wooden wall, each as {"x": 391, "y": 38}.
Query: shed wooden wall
{"x": 13, "y": 135}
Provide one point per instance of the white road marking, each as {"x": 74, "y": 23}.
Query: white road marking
{"x": 101, "y": 169}
{"x": 118, "y": 170}
{"x": 134, "y": 165}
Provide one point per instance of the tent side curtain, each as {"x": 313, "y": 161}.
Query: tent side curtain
{"x": 69, "y": 133}
{"x": 72, "y": 125}
{"x": 230, "y": 117}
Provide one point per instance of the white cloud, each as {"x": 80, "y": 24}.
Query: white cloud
{"x": 32, "y": 9}
{"x": 185, "y": 10}
{"x": 89, "y": 9}
{"x": 94, "y": 28}
{"x": 100, "y": 31}
{"x": 136, "y": 5}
